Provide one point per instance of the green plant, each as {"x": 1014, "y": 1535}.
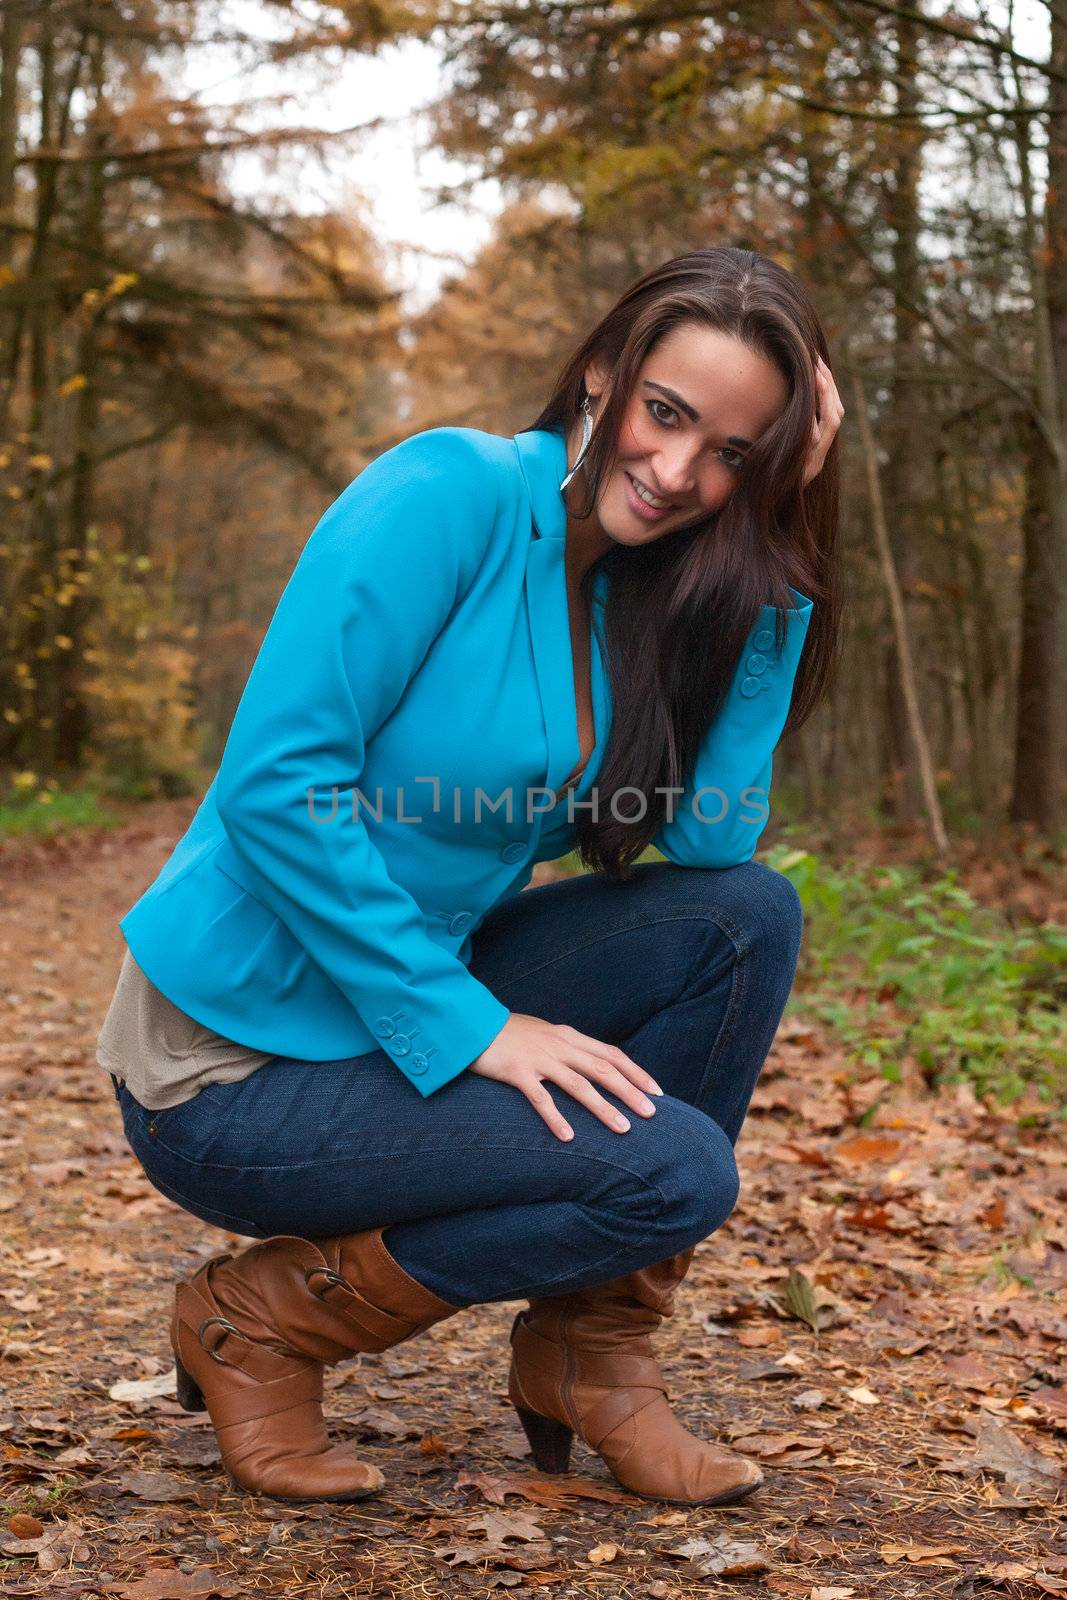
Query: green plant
{"x": 902, "y": 964}
{"x": 31, "y": 807}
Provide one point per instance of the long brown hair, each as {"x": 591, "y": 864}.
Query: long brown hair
{"x": 679, "y": 609}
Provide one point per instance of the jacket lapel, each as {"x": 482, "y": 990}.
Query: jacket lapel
{"x": 542, "y": 459}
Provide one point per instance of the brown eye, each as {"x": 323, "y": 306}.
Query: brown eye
{"x": 661, "y": 420}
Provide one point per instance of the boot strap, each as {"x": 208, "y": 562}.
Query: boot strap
{"x": 267, "y": 1398}
{"x": 611, "y": 1410}
{"x": 334, "y": 1291}
{"x": 616, "y": 1369}
{"x": 227, "y": 1346}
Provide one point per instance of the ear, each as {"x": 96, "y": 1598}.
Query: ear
{"x": 596, "y": 379}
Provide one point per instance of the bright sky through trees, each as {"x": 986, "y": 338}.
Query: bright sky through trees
{"x": 391, "y": 169}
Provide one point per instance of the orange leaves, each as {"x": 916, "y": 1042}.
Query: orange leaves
{"x": 868, "y": 1149}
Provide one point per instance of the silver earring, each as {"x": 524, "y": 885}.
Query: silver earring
{"x": 587, "y": 434}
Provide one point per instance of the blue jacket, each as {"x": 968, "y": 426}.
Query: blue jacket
{"x": 322, "y": 901}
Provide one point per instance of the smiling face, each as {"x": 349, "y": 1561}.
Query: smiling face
{"x": 701, "y": 400}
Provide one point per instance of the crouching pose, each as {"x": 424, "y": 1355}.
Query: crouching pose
{"x": 342, "y": 1031}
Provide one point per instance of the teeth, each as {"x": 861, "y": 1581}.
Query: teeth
{"x": 649, "y": 499}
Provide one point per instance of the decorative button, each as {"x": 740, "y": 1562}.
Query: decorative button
{"x": 418, "y": 1063}
{"x": 756, "y": 663}
{"x": 401, "y": 1044}
{"x": 460, "y": 922}
{"x": 514, "y": 851}
{"x": 750, "y": 687}
{"x": 385, "y": 1027}
{"x": 764, "y": 639}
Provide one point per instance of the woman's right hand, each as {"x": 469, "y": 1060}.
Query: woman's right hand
{"x": 528, "y": 1052}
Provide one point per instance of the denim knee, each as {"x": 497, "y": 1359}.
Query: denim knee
{"x": 779, "y": 918}
{"x": 757, "y": 905}
{"x": 697, "y": 1175}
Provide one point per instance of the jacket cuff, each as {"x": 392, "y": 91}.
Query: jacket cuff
{"x": 432, "y": 1037}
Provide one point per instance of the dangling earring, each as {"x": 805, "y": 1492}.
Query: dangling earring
{"x": 587, "y": 434}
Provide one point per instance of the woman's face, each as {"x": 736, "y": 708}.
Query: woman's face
{"x": 701, "y": 400}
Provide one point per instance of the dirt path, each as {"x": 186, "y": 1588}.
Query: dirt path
{"x": 913, "y": 1446}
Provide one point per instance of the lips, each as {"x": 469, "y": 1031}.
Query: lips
{"x": 666, "y": 506}
{"x": 642, "y": 508}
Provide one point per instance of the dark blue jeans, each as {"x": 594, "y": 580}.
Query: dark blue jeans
{"x": 686, "y": 969}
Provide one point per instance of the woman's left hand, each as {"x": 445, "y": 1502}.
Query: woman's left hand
{"x": 828, "y": 420}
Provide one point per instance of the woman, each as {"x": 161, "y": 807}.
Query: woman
{"x": 327, "y": 1006}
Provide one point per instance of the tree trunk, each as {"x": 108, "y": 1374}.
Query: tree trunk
{"x": 11, "y": 21}
{"x": 908, "y": 687}
{"x": 904, "y": 430}
{"x": 1035, "y": 789}
{"x": 71, "y": 714}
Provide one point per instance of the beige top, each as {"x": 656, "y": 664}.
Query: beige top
{"x": 159, "y": 1052}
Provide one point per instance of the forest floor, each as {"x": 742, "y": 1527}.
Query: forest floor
{"x": 912, "y": 1440}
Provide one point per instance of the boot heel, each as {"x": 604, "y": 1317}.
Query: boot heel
{"x": 550, "y": 1441}
{"x": 190, "y": 1395}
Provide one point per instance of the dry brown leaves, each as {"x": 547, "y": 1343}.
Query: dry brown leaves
{"x": 881, "y": 1325}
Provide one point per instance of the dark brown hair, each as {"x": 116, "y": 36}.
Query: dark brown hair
{"x": 679, "y": 609}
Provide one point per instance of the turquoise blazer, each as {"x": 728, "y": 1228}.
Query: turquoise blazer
{"x": 322, "y": 902}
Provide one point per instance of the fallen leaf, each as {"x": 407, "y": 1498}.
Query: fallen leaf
{"x": 170, "y": 1584}
{"x": 865, "y": 1396}
{"x": 497, "y": 1527}
{"x": 812, "y": 1303}
{"x": 160, "y": 1487}
{"x": 45, "y": 1256}
{"x": 799, "y": 1299}
{"x": 1052, "y": 1399}
{"x": 968, "y": 1371}
{"x": 722, "y": 1557}
{"x": 867, "y": 1147}
{"x": 97, "y": 1262}
{"x": 24, "y": 1527}
{"x": 54, "y": 1547}
{"x": 889, "y": 1218}
{"x": 1039, "y": 1572}
{"x": 921, "y": 1555}
{"x": 381, "y": 1423}
{"x": 431, "y": 1444}
{"x": 756, "y": 1338}
{"x": 144, "y": 1388}
{"x": 56, "y": 1173}
{"x": 808, "y": 1400}
{"x": 805, "y": 1155}
{"x": 548, "y": 1489}
{"x": 754, "y": 1370}
{"x": 1003, "y": 1453}
{"x": 781, "y": 1447}
{"x": 602, "y": 1553}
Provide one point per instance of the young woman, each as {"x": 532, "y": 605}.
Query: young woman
{"x": 340, "y": 1028}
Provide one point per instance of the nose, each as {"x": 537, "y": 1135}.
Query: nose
{"x": 675, "y": 473}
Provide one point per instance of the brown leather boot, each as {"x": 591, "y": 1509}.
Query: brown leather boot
{"x": 251, "y": 1333}
{"x": 582, "y": 1363}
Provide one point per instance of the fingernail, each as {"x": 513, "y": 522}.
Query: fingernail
{"x": 568, "y": 1133}
{"x": 655, "y": 1089}
{"x": 621, "y": 1123}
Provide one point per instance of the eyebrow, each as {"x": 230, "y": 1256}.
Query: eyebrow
{"x": 694, "y": 416}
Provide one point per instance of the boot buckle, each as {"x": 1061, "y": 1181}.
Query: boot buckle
{"x": 333, "y": 1281}
{"x": 212, "y": 1350}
